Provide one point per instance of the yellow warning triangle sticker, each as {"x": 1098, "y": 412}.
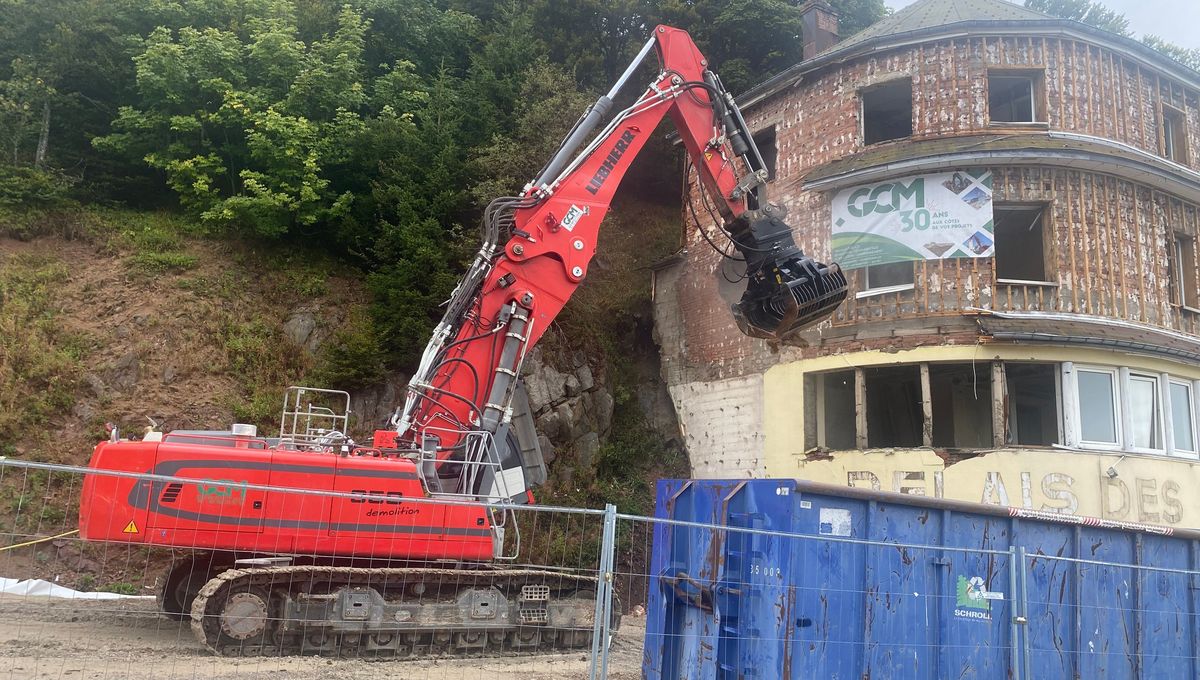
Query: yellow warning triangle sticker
{"x": 130, "y": 528}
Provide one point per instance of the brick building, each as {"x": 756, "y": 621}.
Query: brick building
{"x": 1061, "y": 373}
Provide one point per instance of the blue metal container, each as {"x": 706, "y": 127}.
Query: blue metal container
{"x": 839, "y": 583}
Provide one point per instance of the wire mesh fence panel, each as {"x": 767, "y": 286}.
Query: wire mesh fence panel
{"x": 200, "y": 575}
{"x": 1131, "y": 610}
{"x": 733, "y": 602}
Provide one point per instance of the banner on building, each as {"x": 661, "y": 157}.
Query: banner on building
{"x": 925, "y": 217}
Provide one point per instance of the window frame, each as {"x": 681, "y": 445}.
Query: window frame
{"x": 1179, "y": 277}
{"x": 1046, "y": 217}
{"x": 1175, "y": 145}
{"x": 1119, "y": 435}
{"x": 874, "y": 87}
{"x": 866, "y": 291}
{"x": 1191, "y": 388}
{"x": 1037, "y": 96}
{"x": 1010, "y": 411}
{"x": 1158, "y": 434}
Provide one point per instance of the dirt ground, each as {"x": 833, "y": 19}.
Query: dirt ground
{"x": 44, "y": 638}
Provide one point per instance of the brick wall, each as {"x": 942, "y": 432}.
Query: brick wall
{"x": 1111, "y": 237}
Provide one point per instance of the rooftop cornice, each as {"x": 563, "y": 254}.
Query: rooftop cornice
{"x": 1133, "y": 50}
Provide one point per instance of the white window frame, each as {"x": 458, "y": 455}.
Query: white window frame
{"x": 1169, "y": 417}
{"x": 1031, "y": 79}
{"x": 1124, "y": 394}
{"x": 1071, "y": 373}
{"x": 883, "y": 290}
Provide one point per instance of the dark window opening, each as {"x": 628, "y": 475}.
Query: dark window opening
{"x": 1174, "y": 135}
{"x": 887, "y": 112}
{"x": 1013, "y": 98}
{"x": 887, "y": 275}
{"x": 1184, "y": 288}
{"x": 1032, "y": 404}
{"x": 893, "y": 406}
{"x": 961, "y": 396}
{"x": 767, "y": 148}
{"x": 835, "y": 410}
{"x": 1020, "y": 243}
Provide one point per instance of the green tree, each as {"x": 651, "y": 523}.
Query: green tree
{"x": 1089, "y": 12}
{"x": 237, "y": 123}
{"x": 25, "y": 100}
{"x": 1095, "y": 14}
{"x": 1183, "y": 55}
{"x": 855, "y": 15}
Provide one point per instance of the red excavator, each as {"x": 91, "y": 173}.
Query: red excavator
{"x": 311, "y": 543}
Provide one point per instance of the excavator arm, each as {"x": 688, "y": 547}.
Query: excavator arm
{"x": 537, "y": 248}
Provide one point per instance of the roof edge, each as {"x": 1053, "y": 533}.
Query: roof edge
{"x": 1143, "y": 53}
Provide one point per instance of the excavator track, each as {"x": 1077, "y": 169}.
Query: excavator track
{"x": 386, "y": 613}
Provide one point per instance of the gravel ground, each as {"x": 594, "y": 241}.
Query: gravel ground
{"x": 44, "y": 638}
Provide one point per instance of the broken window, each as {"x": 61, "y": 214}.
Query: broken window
{"x": 1184, "y": 289}
{"x": 765, "y": 141}
{"x": 961, "y": 396}
{"x": 894, "y": 414}
{"x": 1174, "y": 135}
{"x": 1020, "y": 243}
{"x": 835, "y": 410}
{"x": 885, "y": 278}
{"x": 1013, "y": 97}
{"x": 887, "y": 111}
{"x": 1032, "y": 404}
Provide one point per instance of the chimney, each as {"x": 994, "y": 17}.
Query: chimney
{"x": 820, "y": 26}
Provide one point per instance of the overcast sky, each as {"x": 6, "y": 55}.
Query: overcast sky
{"x": 1175, "y": 20}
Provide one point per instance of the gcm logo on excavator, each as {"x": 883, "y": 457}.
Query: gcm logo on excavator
{"x": 221, "y": 492}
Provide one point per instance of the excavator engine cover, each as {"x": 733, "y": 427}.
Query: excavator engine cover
{"x": 786, "y": 291}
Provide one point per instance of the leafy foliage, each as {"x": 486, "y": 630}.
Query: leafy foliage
{"x": 1094, "y": 13}
{"x": 372, "y": 130}
{"x": 1183, "y": 55}
{"x": 1089, "y": 12}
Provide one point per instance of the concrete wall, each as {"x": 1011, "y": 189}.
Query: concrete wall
{"x": 722, "y": 423}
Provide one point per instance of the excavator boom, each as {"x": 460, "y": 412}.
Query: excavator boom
{"x": 538, "y": 246}
{"x": 310, "y": 543}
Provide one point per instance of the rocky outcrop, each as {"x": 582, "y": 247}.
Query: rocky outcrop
{"x": 373, "y": 407}
{"x": 572, "y": 406}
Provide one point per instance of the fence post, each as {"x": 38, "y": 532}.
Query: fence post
{"x": 1024, "y": 613}
{"x": 1014, "y": 612}
{"x": 604, "y": 590}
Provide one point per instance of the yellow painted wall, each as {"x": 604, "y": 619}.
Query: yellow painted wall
{"x": 1151, "y": 489}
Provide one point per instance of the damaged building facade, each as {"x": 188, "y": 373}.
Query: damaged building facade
{"x": 1059, "y": 373}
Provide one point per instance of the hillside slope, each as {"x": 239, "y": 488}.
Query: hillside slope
{"x": 129, "y": 321}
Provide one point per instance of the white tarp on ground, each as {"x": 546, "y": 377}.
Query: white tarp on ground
{"x": 40, "y": 588}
